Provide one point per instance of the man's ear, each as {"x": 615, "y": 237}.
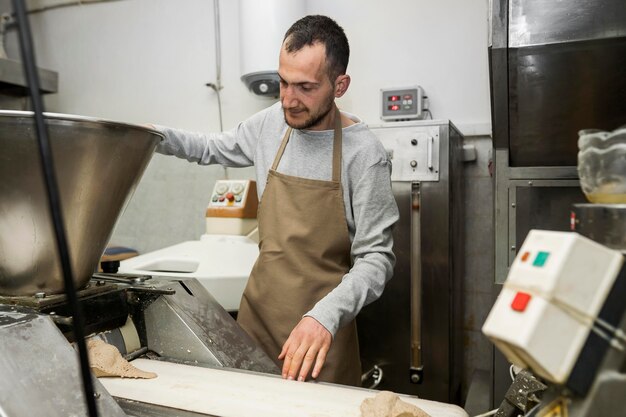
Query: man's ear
{"x": 342, "y": 82}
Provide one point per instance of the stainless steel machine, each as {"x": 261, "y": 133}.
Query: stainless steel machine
{"x": 205, "y": 363}
{"x": 410, "y": 337}
{"x": 555, "y": 68}
{"x": 561, "y": 312}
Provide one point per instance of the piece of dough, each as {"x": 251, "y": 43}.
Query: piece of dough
{"x": 388, "y": 404}
{"x": 106, "y": 360}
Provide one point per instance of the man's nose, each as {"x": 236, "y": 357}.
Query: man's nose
{"x": 288, "y": 97}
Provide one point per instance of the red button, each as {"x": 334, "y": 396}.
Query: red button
{"x": 520, "y": 302}
{"x": 230, "y": 197}
{"x": 525, "y": 256}
{"x": 220, "y": 199}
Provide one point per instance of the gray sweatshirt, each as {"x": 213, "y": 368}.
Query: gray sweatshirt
{"x": 370, "y": 207}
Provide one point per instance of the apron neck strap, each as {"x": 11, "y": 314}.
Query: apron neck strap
{"x": 337, "y": 146}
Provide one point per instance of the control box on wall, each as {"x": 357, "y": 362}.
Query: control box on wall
{"x": 405, "y": 103}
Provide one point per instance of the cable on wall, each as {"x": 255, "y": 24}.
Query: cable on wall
{"x": 217, "y": 86}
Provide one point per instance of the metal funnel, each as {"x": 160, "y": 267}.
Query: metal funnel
{"x": 98, "y": 164}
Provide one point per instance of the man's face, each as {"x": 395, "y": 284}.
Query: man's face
{"x": 306, "y": 93}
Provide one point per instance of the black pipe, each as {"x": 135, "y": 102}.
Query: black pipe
{"x": 30, "y": 70}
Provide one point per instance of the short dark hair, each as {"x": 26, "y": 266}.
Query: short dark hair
{"x": 323, "y": 29}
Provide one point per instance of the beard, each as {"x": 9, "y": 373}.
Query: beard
{"x": 314, "y": 118}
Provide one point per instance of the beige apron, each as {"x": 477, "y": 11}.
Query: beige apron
{"x": 304, "y": 253}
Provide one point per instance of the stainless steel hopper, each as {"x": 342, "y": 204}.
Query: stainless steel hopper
{"x": 98, "y": 164}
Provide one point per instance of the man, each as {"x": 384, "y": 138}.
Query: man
{"x": 325, "y": 214}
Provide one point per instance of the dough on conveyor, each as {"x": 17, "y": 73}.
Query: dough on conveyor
{"x": 106, "y": 360}
{"x": 388, "y": 404}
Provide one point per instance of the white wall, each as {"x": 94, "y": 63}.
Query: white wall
{"x": 440, "y": 45}
{"x": 148, "y": 61}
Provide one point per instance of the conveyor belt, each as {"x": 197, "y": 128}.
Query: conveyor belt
{"x": 232, "y": 393}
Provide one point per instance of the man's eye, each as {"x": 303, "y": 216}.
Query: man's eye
{"x": 306, "y": 88}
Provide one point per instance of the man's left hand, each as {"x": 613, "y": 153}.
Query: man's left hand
{"x": 307, "y": 344}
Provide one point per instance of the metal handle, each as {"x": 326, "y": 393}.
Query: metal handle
{"x": 376, "y": 373}
{"x": 416, "y": 283}
{"x": 122, "y": 278}
{"x": 430, "y": 145}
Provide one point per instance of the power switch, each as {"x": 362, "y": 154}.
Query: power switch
{"x": 520, "y": 302}
{"x": 541, "y": 259}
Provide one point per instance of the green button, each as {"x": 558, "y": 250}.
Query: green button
{"x": 541, "y": 258}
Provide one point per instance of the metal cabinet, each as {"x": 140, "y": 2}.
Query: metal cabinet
{"x": 410, "y": 337}
{"x": 555, "y": 68}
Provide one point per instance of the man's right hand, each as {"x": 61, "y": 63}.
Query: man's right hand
{"x": 308, "y": 343}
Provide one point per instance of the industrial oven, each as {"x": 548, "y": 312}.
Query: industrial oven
{"x": 410, "y": 337}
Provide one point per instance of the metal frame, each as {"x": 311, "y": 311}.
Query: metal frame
{"x": 507, "y": 179}
{"x": 13, "y": 81}
{"x": 512, "y": 206}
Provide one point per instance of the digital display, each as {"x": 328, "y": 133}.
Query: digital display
{"x": 400, "y": 103}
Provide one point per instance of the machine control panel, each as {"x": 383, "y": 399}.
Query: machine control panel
{"x": 557, "y": 288}
{"x": 229, "y": 193}
{"x": 233, "y": 198}
{"x": 402, "y": 103}
{"x": 413, "y": 148}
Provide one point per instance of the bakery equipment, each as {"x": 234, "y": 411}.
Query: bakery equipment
{"x": 560, "y": 315}
{"x": 220, "y": 392}
{"x": 176, "y": 320}
{"x": 555, "y": 304}
{"x": 180, "y": 332}
{"x": 221, "y": 260}
{"x": 405, "y": 103}
{"x": 98, "y": 164}
{"x": 410, "y": 338}
{"x": 556, "y": 68}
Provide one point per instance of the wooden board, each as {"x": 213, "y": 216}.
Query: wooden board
{"x": 234, "y": 393}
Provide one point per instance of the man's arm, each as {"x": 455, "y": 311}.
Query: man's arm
{"x": 234, "y": 148}
{"x": 375, "y": 212}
